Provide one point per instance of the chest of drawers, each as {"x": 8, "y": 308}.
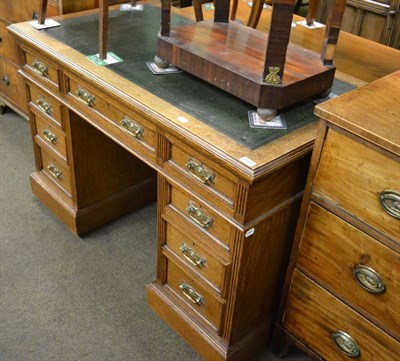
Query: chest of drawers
{"x": 343, "y": 286}
{"x": 12, "y": 90}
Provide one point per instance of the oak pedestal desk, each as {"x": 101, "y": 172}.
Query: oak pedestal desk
{"x": 105, "y": 145}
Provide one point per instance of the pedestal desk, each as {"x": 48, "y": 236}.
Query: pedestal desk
{"x": 106, "y": 143}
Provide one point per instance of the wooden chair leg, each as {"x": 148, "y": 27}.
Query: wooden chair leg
{"x": 313, "y": 6}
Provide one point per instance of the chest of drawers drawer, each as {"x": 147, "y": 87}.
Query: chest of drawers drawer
{"x": 331, "y": 328}
{"x": 345, "y": 163}
{"x": 135, "y": 131}
{"x": 363, "y": 271}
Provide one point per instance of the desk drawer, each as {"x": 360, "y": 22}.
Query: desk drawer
{"x": 353, "y": 175}
{"x": 196, "y": 256}
{"x": 130, "y": 127}
{"x": 198, "y": 297}
{"x": 201, "y": 216}
{"x": 202, "y": 174}
{"x": 373, "y": 263}
{"x": 46, "y": 105}
{"x": 8, "y": 46}
{"x": 313, "y": 315}
{"x": 50, "y": 135}
{"x": 56, "y": 171}
{"x": 12, "y": 85}
{"x": 45, "y": 71}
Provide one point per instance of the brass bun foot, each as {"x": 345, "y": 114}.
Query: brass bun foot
{"x": 160, "y": 63}
{"x": 266, "y": 113}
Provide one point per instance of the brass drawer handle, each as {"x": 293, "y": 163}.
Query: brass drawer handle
{"x": 390, "y": 202}
{"x": 129, "y": 126}
{"x": 85, "y": 97}
{"x": 40, "y": 67}
{"x": 191, "y": 255}
{"x": 346, "y": 344}
{"x": 197, "y": 171}
{"x": 55, "y": 172}
{"x": 368, "y": 279}
{"x": 191, "y": 294}
{"x": 199, "y": 216}
{"x": 44, "y": 106}
{"x": 49, "y": 136}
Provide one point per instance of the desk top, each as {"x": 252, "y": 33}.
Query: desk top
{"x": 248, "y": 162}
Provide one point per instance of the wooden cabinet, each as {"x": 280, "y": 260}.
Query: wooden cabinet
{"x": 376, "y": 20}
{"x": 343, "y": 286}
{"x": 12, "y": 90}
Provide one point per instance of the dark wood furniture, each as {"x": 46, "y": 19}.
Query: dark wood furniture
{"x": 264, "y": 70}
{"x": 226, "y": 213}
{"x": 342, "y": 294}
{"x": 12, "y": 92}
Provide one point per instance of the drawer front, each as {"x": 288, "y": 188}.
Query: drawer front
{"x": 43, "y": 70}
{"x": 353, "y": 265}
{"x": 133, "y": 129}
{"x": 195, "y": 256}
{"x": 50, "y": 135}
{"x": 203, "y": 175}
{"x": 352, "y": 176}
{"x": 194, "y": 294}
{"x": 17, "y": 11}
{"x": 56, "y": 171}
{"x": 201, "y": 216}
{"x": 8, "y": 46}
{"x": 46, "y": 105}
{"x": 12, "y": 85}
{"x": 316, "y": 317}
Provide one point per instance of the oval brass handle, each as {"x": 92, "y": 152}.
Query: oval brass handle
{"x": 40, "y": 67}
{"x": 346, "y": 344}
{"x": 44, "y": 106}
{"x": 132, "y": 128}
{"x": 55, "y": 172}
{"x": 191, "y": 293}
{"x": 197, "y": 171}
{"x": 199, "y": 216}
{"x": 389, "y": 200}
{"x": 368, "y": 279}
{"x": 85, "y": 97}
{"x": 52, "y": 138}
{"x": 192, "y": 256}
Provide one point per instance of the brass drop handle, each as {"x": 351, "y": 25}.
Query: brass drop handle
{"x": 191, "y": 293}
{"x": 49, "y": 136}
{"x": 199, "y": 216}
{"x": 192, "y": 256}
{"x": 44, "y": 106}
{"x": 346, "y": 344}
{"x": 40, "y": 67}
{"x": 389, "y": 200}
{"x": 129, "y": 126}
{"x": 199, "y": 172}
{"x": 85, "y": 97}
{"x": 55, "y": 172}
{"x": 369, "y": 279}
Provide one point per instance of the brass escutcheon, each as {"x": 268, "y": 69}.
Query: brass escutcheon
{"x": 389, "y": 200}
{"x": 368, "y": 279}
{"x": 346, "y": 344}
